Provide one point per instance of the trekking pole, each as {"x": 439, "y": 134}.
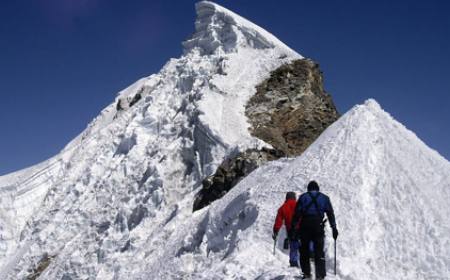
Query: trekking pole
{"x": 274, "y": 245}
{"x": 335, "y": 257}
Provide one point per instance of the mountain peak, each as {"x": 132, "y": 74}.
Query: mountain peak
{"x": 370, "y": 111}
{"x": 372, "y": 104}
{"x": 218, "y": 29}
{"x": 369, "y": 106}
{"x": 368, "y": 123}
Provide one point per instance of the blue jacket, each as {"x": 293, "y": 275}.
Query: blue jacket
{"x": 305, "y": 206}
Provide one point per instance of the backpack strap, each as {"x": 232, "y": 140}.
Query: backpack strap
{"x": 313, "y": 202}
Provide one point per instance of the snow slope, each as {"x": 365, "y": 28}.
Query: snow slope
{"x": 390, "y": 193}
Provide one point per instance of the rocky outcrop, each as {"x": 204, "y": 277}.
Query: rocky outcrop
{"x": 289, "y": 111}
{"x": 291, "y": 108}
{"x": 41, "y": 267}
{"x": 230, "y": 172}
{"x": 127, "y": 102}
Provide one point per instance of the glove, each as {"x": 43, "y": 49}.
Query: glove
{"x": 335, "y": 233}
{"x": 286, "y": 244}
{"x": 274, "y": 235}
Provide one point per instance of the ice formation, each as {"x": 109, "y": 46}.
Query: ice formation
{"x": 116, "y": 203}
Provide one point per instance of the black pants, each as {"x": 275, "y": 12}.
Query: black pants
{"x": 311, "y": 230}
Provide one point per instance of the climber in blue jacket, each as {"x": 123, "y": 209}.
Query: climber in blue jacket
{"x": 308, "y": 225}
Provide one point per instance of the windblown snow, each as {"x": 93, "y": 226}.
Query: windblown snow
{"x": 116, "y": 203}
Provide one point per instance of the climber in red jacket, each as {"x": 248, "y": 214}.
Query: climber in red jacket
{"x": 286, "y": 213}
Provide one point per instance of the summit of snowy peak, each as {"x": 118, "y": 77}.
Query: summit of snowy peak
{"x": 370, "y": 107}
{"x": 373, "y": 104}
{"x": 219, "y": 29}
{"x": 380, "y": 134}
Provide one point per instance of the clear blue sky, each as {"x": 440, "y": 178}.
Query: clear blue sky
{"x": 62, "y": 61}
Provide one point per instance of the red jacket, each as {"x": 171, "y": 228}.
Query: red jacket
{"x": 286, "y": 213}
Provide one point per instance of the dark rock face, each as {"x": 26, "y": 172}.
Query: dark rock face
{"x": 291, "y": 108}
{"x": 230, "y": 172}
{"x": 289, "y": 111}
{"x": 41, "y": 267}
{"x": 136, "y": 98}
{"x": 125, "y": 103}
